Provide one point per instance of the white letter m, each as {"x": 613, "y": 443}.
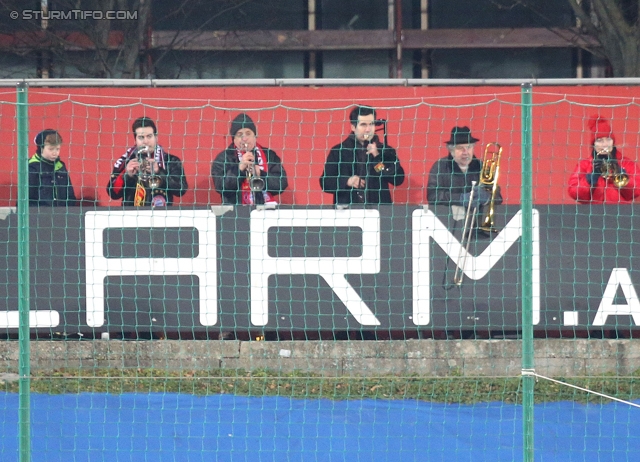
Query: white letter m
{"x": 426, "y": 226}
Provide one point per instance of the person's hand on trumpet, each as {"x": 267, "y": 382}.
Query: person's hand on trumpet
{"x": 247, "y": 161}
{"x": 594, "y": 176}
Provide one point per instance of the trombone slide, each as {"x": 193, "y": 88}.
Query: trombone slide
{"x": 465, "y": 239}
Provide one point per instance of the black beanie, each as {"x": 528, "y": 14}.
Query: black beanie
{"x": 41, "y": 138}
{"x": 242, "y": 121}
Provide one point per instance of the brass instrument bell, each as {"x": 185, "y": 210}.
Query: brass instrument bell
{"x": 146, "y": 174}
{"x": 611, "y": 169}
{"x": 256, "y": 184}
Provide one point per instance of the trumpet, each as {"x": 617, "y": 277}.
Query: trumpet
{"x": 610, "y": 169}
{"x": 488, "y": 181}
{"x": 146, "y": 174}
{"x": 256, "y": 184}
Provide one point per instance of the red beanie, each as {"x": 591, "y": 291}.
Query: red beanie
{"x": 600, "y": 128}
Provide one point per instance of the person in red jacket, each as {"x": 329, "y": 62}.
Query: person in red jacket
{"x": 606, "y": 176}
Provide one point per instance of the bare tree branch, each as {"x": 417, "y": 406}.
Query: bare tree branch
{"x": 609, "y": 12}
{"x": 585, "y": 19}
{"x": 193, "y": 34}
{"x": 607, "y": 23}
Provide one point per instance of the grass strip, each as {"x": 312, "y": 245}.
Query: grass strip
{"x": 451, "y": 389}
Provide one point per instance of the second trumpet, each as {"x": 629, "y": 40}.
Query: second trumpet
{"x": 611, "y": 169}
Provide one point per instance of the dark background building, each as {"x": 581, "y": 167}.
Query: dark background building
{"x": 220, "y": 39}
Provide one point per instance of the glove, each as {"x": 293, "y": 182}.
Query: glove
{"x": 481, "y": 196}
{"x": 592, "y": 178}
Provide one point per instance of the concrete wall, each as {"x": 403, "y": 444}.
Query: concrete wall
{"x": 350, "y": 358}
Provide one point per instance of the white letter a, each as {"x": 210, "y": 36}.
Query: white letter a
{"x": 619, "y": 277}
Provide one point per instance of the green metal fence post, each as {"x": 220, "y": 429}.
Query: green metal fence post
{"x": 527, "y": 278}
{"x": 24, "y": 365}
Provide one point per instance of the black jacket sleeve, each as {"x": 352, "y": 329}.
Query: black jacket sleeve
{"x": 174, "y": 176}
{"x": 34, "y": 185}
{"x": 334, "y": 178}
{"x": 439, "y": 185}
{"x": 118, "y": 192}
{"x": 226, "y": 174}
{"x": 72, "y": 201}
{"x": 276, "y": 176}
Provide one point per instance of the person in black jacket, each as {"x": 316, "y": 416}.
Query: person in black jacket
{"x": 49, "y": 182}
{"x": 360, "y": 169}
{"x": 246, "y": 162}
{"x": 451, "y": 177}
{"x": 147, "y": 175}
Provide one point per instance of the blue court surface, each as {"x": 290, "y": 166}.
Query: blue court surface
{"x": 180, "y": 427}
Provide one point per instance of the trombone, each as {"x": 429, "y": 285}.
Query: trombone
{"x": 465, "y": 239}
{"x": 488, "y": 181}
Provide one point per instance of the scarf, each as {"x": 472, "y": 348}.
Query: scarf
{"x": 121, "y": 163}
{"x": 261, "y": 163}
